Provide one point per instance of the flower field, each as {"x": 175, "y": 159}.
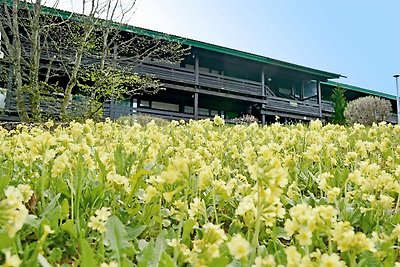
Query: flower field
{"x": 200, "y": 193}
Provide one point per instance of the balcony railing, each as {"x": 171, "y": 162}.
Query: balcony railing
{"x": 206, "y": 80}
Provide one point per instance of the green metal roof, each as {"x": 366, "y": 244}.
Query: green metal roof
{"x": 203, "y": 45}
{"x": 359, "y": 89}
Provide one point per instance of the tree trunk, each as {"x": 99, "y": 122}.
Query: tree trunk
{"x": 34, "y": 63}
{"x": 21, "y": 108}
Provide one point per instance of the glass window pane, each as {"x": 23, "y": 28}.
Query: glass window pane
{"x": 165, "y": 106}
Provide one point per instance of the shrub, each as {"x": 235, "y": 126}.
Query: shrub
{"x": 245, "y": 119}
{"x": 142, "y": 120}
{"x": 339, "y": 100}
{"x": 367, "y": 110}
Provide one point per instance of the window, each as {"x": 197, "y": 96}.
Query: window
{"x": 165, "y": 106}
{"x": 310, "y": 89}
{"x": 188, "y": 110}
{"x": 145, "y": 104}
{"x": 204, "y": 112}
{"x": 214, "y": 113}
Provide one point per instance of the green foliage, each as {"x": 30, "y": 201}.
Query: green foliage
{"x": 116, "y": 237}
{"x": 142, "y": 120}
{"x": 199, "y": 194}
{"x": 367, "y": 110}
{"x": 339, "y": 100}
{"x": 100, "y": 85}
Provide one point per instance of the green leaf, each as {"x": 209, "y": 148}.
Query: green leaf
{"x": 69, "y": 226}
{"x": 187, "y": 230}
{"x": 159, "y": 248}
{"x": 51, "y": 206}
{"x": 116, "y": 235}
{"x": 134, "y": 232}
{"x": 32, "y": 221}
{"x": 367, "y": 259}
{"x": 5, "y": 174}
{"x": 146, "y": 254}
{"x": 167, "y": 261}
{"x": 281, "y": 233}
{"x": 6, "y": 241}
{"x": 221, "y": 262}
{"x": 355, "y": 217}
{"x": 88, "y": 258}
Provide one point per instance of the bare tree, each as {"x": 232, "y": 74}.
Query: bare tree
{"x": 103, "y": 59}
{"x": 88, "y": 49}
{"x": 22, "y": 28}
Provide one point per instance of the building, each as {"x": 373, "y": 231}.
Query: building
{"x": 215, "y": 80}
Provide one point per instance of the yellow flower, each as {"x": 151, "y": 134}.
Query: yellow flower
{"x": 332, "y": 260}
{"x": 214, "y": 234}
{"x": 96, "y": 224}
{"x": 99, "y": 220}
{"x": 13, "y": 196}
{"x": 332, "y": 194}
{"x": 218, "y": 121}
{"x": 239, "y": 247}
{"x": 103, "y": 213}
{"x": 11, "y": 260}
{"x": 26, "y": 191}
{"x": 111, "y": 264}
{"x": 293, "y": 256}
{"x": 304, "y": 237}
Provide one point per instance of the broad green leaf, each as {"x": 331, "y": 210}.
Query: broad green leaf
{"x": 355, "y": 217}
{"x": 32, "y": 221}
{"x": 146, "y": 254}
{"x": 158, "y": 250}
{"x": 51, "y": 206}
{"x": 70, "y": 228}
{"x": 116, "y": 235}
{"x": 88, "y": 257}
{"x": 134, "y": 232}
{"x": 367, "y": 259}
{"x": 166, "y": 260}
{"x": 221, "y": 262}
{"x": 5, "y": 174}
{"x": 281, "y": 233}
{"x": 6, "y": 241}
{"x": 187, "y": 230}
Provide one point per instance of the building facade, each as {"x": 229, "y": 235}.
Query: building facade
{"x": 214, "y": 80}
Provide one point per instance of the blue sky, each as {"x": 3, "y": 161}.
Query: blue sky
{"x": 355, "y": 38}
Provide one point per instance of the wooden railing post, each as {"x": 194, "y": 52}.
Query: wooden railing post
{"x": 112, "y": 109}
{"x": 196, "y": 84}
{"x": 263, "y": 95}
{"x": 319, "y": 98}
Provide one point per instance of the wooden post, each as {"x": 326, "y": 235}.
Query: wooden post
{"x": 263, "y": 94}
{"x": 196, "y": 82}
{"x": 9, "y": 93}
{"x": 319, "y": 98}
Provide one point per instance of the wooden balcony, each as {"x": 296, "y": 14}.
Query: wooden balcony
{"x": 170, "y": 73}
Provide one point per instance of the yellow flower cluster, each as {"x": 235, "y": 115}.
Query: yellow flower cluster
{"x": 99, "y": 220}
{"x": 12, "y": 209}
{"x": 295, "y": 195}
